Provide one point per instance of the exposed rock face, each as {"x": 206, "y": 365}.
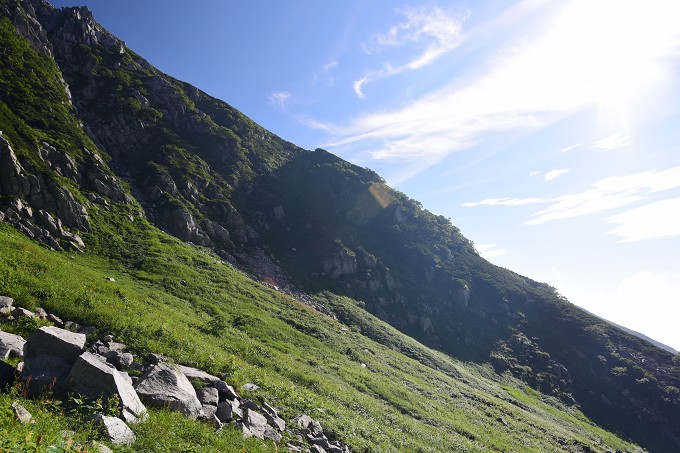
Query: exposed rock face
{"x": 42, "y": 196}
{"x": 165, "y": 386}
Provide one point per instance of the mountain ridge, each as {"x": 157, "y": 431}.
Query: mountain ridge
{"x": 205, "y": 173}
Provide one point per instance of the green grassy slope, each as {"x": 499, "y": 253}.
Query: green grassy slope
{"x": 303, "y": 361}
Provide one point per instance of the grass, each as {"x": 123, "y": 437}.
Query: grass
{"x": 304, "y": 362}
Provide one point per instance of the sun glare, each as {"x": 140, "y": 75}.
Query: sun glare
{"x": 617, "y": 46}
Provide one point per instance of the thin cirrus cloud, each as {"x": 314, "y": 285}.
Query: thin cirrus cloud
{"x": 525, "y": 86}
{"x": 553, "y": 174}
{"x": 439, "y": 32}
{"x": 606, "y": 194}
{"x": 612, "y": 142}
{"x": 279, "y": 98}
{"x": 490, "y": 250}
{"x": 655, "y": 220}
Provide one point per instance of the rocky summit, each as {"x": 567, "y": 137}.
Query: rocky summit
{"x": 139, "y": 205}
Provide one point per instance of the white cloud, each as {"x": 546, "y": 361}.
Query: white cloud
{"x": 608, "y": 193}
{"x": 585, "y": 56}
{"x": 652, "y": 221}
{"x": 566, "y": 149}
{"x": 534, "y": 174}
{"x": 552, "y": 174}
{"x": 279, "y": 98}
{"x": 647, "y": 301}
{"x": 435, "y": 29}
{"x": 504, "y": 202}
{"x": 612, "y": 142}
{"x": 490, "y": 250}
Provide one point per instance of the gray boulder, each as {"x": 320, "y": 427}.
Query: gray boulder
{"x": 55, "y": 342}
{"x": 226, "y": 391}
{"x": 229, "y": 410}
{"x": 6, "y": 305}
{"x": 117, "y": 431}
{"x": 208, "y": 395}
{"x": 255, "y": 425}
{"x": 195, "y": 374}
{"x": 11, "y": 345}
{"x": 91, "y": 376}
{"x": 165, "y": 386}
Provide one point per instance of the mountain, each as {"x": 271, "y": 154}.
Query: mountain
{"x": 104, "y": 159}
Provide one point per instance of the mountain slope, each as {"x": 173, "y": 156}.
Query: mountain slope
{"x": 116, "y": 143}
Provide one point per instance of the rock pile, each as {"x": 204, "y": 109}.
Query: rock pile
{"x": 59, "y": 360}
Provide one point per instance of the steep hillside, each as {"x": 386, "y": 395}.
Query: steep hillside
{"x": 100, "y": 150}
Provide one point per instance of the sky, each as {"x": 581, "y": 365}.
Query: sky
{"x": 547, "y": 131}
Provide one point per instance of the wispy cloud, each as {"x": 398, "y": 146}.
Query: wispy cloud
{"x": 526, "y": 86}
{"x": 608, "y": 193}
{"x": 490, "y": 250}
{"x": 504, "y": 202}
{"x": 566, "y": 149}
{"x": 652, "y": 221}
{"x": 603, "y": 195}
{"x": 612, "y": 142}
{"x": 552, "y": 174}
{"x": 279, "y": 98}
{"x": 432, "y": 28}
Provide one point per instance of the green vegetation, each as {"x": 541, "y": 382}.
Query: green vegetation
{"x": 411, "y": 294}
{"x": 303, "y": 361}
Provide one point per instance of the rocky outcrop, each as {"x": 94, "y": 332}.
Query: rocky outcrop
{"x": 38, "y": 206}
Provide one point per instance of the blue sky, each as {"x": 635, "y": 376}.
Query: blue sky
{"x": 547, "y": 131}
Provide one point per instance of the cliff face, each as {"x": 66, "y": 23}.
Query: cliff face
{"x": 90, "y": 125}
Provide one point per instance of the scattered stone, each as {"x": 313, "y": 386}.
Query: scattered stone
{"x": 6, "y": 305}
{"x": 121, "y": 360}
{"x": 502, "y": 420}
{"x": 229, "y": 410}
{"x": 273, "y": 418}
{"x": 303, "y": 421}
{"x": 249, "y": 388}
{"x": 107, "y": 338}
{"x": 226, "y": 391}
{"x": 110, "y": 279}
{"x": 54, "y": 319}
{"x": 208, "y": 411}
{"x": 317, "y": 449}
{"x": 208, "y": 395}
{"x": 101, "y": 448}
{"x": 118, "y": 432}
{"x": 11, "y": 345}
{"x": 92, "y": 377}
{"x": 154, "y": 358}
{"x": 255, "y": 425}
{"x": 198, "y": 375}
{"x": 40, "y": 313}
{"x": 19, "y": 312}
{"x": 164, "y": 385}
{"x": 21, "y": 413}
{"x": 293, "y": 448}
